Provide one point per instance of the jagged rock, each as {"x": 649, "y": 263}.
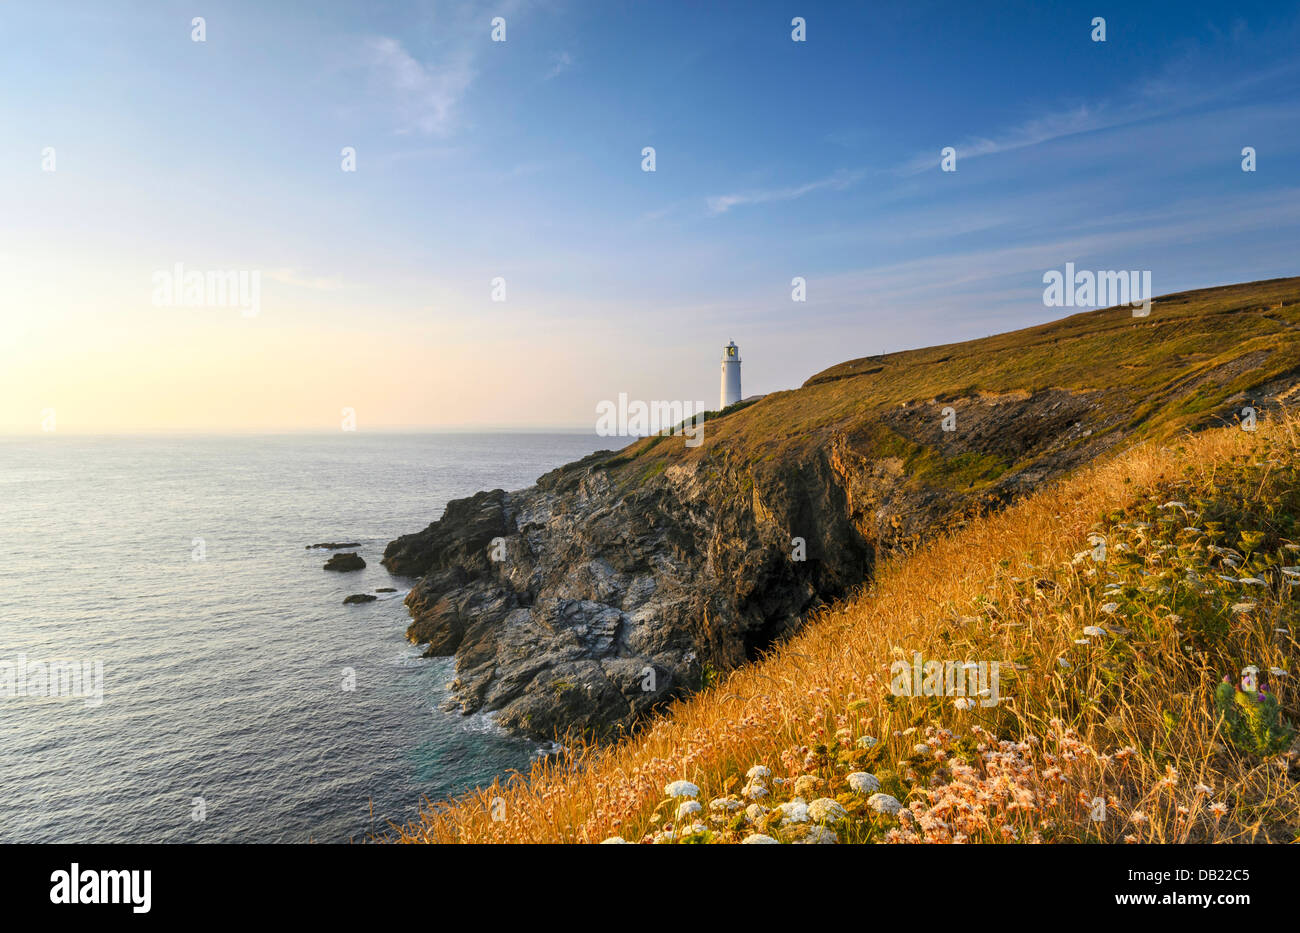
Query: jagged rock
{"x": 359, "y": 598}
{"x": 386, "y": 589}
{"x": 332, "y": 546}
{"x": 343, "y": 562}
{"x": 461, "y": 537}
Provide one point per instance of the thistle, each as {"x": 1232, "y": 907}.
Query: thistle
{"x": 1253, "y": 721}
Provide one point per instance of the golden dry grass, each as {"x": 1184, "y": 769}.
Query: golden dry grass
{"x": 1131, "y": 720}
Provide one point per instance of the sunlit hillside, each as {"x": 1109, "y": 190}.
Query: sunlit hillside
{"x": 1143, "y": 617}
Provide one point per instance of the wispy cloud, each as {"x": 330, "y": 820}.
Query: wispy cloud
{"x": 720, "y": 204}
{"x": 971, "y": 292}
{"x": 426, "y": 97}
{"x": 1070, "y": 122}
{"x": 1174, "y": 89}
{"x": 560, "y": 63}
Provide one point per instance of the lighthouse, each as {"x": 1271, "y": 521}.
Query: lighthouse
{"x": 730, "y": 393}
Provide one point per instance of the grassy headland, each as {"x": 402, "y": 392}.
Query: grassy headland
{"x": 1155, "y": 375}
{"x": 1141, "y": 611}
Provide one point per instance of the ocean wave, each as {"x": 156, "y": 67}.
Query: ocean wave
{"x": 482, "y": 723}
{"x": 411, "y": 659}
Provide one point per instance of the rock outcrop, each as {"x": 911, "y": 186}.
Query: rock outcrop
{"x": 344, "y": 562}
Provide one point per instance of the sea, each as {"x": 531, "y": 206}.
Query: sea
{"x": 238, "y": 699}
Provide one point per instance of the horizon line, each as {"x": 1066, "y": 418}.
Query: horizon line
{"x": 315, "y": 431}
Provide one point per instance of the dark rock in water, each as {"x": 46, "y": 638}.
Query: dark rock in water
{"x": 332, "y": 546}
{"x": 386, "y": 589}
{"x": 348, "y": 561}
{"x": 360, "y": 598}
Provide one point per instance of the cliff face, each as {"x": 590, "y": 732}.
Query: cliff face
{"x": 608, "y": 601}
{"x": 624, "y": 580}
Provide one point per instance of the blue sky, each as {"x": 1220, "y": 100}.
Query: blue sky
{"x": 523, "y": 159}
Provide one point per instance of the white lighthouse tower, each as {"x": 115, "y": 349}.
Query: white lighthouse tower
{"x": 730, "y": 393}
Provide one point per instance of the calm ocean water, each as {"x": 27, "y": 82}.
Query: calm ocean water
{"x": 223, "y": 676}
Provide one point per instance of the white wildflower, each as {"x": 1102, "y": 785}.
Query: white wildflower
{"x": 864, "y": 782}
{"x": 796, "y": 811}
{"x": 884, "y": 803}
{"x": 826, "y": 810}
{"x": 681, "y": 789}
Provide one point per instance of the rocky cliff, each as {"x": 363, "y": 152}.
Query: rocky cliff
{"x": 624, "y": 580}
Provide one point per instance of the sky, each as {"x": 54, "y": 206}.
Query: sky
{"x": 520, "y": 163}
